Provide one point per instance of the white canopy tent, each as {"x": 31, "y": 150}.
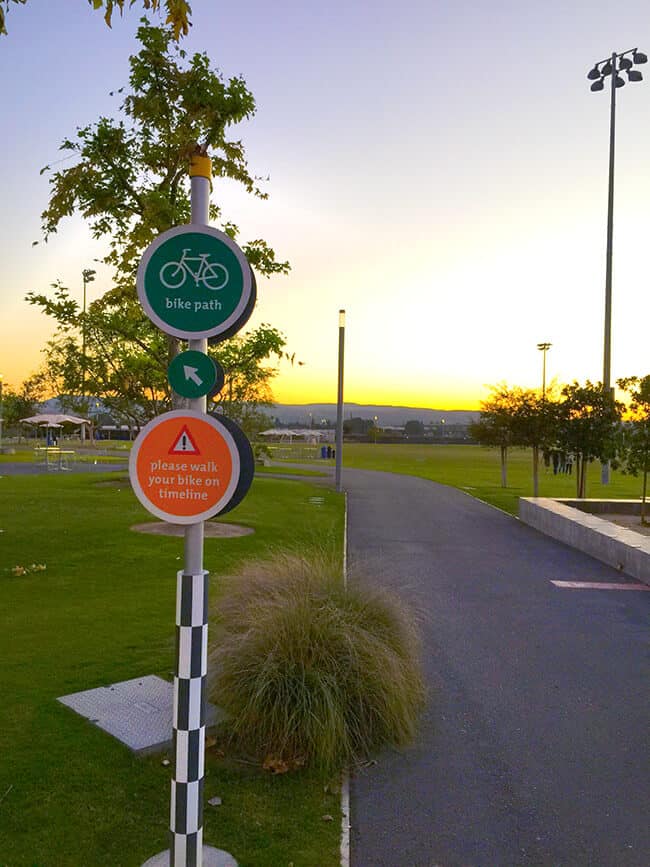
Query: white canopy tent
{"x": 57, "y": 420}
{"x": 286, "y": 434}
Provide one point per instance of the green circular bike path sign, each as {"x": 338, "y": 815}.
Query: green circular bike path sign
{"x": 194, "y": 282}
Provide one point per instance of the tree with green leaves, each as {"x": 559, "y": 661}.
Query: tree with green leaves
{"x": 588, "y": 427}
{"x": 130, "y": 181}
{"x": 496, "y": 426}
{"x": 534, "y": 425}
{"x": 635, "y": 433}
{"x": 414, "y": 428}
{"x": 125, "y": 362}
{"x": 178, "y": 12}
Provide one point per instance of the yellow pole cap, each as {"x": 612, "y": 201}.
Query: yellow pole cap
{"x": 200, "y": 166}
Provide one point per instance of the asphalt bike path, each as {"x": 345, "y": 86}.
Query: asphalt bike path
{"x": 534, "y": 748}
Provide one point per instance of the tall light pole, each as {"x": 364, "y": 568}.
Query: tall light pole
{"x": 612, "y": 66}
{"x": 544, "y": 347}
{"x": 339, "y": 404}
{"x": 1, "y": 378}
{"x": 88, "y": 276}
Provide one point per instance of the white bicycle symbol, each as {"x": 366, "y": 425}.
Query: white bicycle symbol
{"x": 174, "y": 274}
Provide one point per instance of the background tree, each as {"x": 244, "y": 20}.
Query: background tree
{"x": 414, "y": 428}
{"x": 248, "y": 362}
{"x": 124, "y": 363}
{"x": 635, "y": 433}
{"x": 178, "y": 12}
{"x": 18, "y": 404}
{"x": 534, "y": 425}
{"x": 357, "y": 426}
{"x": 496, "y": 426}
{"x": 588, "y": 427}
{"x": 131, "y": 183}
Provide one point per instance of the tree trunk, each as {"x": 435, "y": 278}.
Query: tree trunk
{"x": 581, "y": 468}
{"x": 535, "y": 471}
{"x": 504, "y": 471}
{"x": 643, "y": 496}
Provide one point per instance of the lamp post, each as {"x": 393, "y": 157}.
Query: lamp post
{"x": 339, "y": 404}
{"x": 1, "y": 378}
{"x": 88, "y": 276}
{"x": 612, "y": 66}
{"x": 544, "y": 347}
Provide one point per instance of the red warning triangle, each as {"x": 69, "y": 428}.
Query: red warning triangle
{"x": 184, "y": 444}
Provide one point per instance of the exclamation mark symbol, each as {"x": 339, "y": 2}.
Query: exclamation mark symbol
{"x": 184, "y": 444}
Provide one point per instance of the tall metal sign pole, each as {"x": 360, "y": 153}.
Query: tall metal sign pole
{"x": 339, "y": 404}
{"x": 186, "y": 812}
{"x": 187, "y": 466}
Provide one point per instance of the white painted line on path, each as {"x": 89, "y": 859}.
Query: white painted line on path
{"x": 596, "y": 585}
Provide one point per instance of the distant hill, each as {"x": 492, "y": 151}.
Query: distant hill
{"x": 391, "y": 416}
{"x": 301, "y": 414}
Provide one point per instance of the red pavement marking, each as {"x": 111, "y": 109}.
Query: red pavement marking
{"x": 594, "y": 585}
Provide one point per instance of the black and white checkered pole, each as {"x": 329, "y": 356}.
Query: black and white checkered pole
{"x": 186, "y": 820}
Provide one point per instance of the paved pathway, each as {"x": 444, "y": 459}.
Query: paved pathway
{"x": 26, "y": 468}
{"x": 534, "y": 747}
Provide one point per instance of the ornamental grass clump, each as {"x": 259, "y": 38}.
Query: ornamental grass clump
{"x": 309, "y": 672}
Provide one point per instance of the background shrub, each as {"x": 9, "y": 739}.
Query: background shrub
{"x": 311, "y": 672}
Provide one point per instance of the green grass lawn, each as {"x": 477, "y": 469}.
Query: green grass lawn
{"x": 26, "y": 456}
{"x": 477, "y": 470}
{"x": 104, "y": 611}
{"x": 287, "y": 471}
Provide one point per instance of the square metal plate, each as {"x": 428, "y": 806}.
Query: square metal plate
{"x": 137, "y": 712}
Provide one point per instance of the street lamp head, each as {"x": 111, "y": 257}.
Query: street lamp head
{"x": 634, "y": 75}
{"x": 639, "y": 57}
{"x": 88, "y": 274}
{"x": 544, "y": 346}
{"x": 598, "y": 85}
{"x": 625, "y": 63}
{"x": 607, "y": 69}
{"x": 594, "y": 73}
{"x": 618, "y": 81}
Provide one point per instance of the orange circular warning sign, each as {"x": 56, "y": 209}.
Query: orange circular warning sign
{"x": 184, "y": 467}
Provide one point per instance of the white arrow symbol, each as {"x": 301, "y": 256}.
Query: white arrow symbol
{"x": 191, "y": 373}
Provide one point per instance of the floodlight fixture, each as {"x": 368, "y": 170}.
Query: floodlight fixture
{"x": 544, "y": 347}
{"x": 614, "y": 65}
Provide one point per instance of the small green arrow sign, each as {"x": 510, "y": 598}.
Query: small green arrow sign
{"x": 193, "y": 374}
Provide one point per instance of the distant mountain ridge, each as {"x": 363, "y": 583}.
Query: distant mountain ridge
{"x": 390, "y": 416}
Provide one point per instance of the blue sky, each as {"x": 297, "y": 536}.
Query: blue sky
{"x": 438, "y": 169}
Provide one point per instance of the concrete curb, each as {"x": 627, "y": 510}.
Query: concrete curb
{"x": 619, "y": 547}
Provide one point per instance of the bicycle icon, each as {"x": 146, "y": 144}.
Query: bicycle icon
{"x": 211, "y": 274}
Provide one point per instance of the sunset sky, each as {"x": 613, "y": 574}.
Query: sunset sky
{"x": 438, "y": 169}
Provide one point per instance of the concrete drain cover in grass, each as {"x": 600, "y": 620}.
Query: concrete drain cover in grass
{"x": 137, "y": 712}
{"x": 212, "y": 529}
{"x": 211, "y": 858}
